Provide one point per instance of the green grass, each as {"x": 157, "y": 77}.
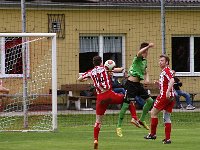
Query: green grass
{"x": 185, "y": 135}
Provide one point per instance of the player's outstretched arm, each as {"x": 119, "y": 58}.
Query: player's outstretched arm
{"x": 141, "y": 51}
{"x": 81, "y": 79}
{"x": 146, "y": 77}
{"x": 118, "y": 70}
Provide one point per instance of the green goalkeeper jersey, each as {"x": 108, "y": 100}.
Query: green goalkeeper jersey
{"x": 138, "y": 67}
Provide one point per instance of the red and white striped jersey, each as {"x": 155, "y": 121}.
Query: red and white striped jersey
{"x": 165, "y": 77}
{"x": 100, "y": 78}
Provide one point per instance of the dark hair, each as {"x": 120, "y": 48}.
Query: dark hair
{"x": 97, "y": 60}
{"x": 144, "y": 44}
{"x": 166, "y": 57}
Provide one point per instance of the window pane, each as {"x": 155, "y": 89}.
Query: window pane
{"x": 85, "y": 61}
{"x": 112, "y": 49}
{"x": 196, "y": 54}
{"x": 89, "y": 47}
{"x": 89, "y": 44}
{"x": 13, "y": 55}
{"x": 181, "y": 54}
{"x": 117, "y": 57}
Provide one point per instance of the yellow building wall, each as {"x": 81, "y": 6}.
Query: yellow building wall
{"x": 137, "y": 25}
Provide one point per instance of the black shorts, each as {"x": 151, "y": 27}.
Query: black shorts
{"x": 134, "y": 89}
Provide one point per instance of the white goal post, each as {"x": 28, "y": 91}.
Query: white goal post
{"x": 28, "y": 69}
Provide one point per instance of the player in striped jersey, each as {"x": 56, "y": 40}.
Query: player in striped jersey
{"x": 105, "y": 95}
{"x": 165, "y": 101}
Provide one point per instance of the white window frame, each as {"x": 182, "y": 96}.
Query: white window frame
{"x": 2, "y": 67}
{"x": 191, "y": 73}
{"x": 100, "y": 37}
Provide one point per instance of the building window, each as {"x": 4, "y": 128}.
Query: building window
{"x": 196, "y": 54}
{"x": 108, "y": 47}
{"x": 185, "y": 55}
{"x": 11, "y": 57}
{"x": 56, "y": 24}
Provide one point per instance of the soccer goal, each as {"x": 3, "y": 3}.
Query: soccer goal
{"x": 28, "y": 87}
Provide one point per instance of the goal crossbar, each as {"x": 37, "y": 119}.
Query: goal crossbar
{"x": 27, "y": 34}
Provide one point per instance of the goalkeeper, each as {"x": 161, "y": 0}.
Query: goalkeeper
{"x": 136, "y": 73}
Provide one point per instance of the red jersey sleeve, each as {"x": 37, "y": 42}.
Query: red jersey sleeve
{"x": 86, "y": 74}
{"x": 168, "y": 73}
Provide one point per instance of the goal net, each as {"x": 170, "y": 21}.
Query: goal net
{"x": 28, "y": 95}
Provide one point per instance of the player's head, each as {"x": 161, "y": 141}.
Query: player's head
{"x": 97, "y": 61}
{"x": 144, "y": 44}
{"x": 164, "y": 61}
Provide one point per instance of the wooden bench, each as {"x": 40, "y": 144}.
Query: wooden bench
{"x": 74, "y": 91}
{"x": 153, "y": 90}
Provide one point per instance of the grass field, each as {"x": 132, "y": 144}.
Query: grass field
{"x": 185, "y": 135}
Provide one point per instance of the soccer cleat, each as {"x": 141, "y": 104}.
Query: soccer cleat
{"x": 135, "y": 122}
{"x": 166, "y": 141}
{"x": 143, "y": 123}
{"x": 190, "y": 107}
{"x": 149, "y": 136}
{"x": 119, "y": 132}
{"x": 95, "y": 144}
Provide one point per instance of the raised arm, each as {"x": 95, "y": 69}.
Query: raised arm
{"x": 81, "y": 79}
{"x": 141, "y": 51}
{"x": 118, "y": 70}
{"x": 146, "y": 77}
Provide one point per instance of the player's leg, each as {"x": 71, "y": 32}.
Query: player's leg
{"x": 100, "y": 110}
{"x": 147, "y": 106}
{"x": 132, "y": 89}
{"x": 126, "y": 105}
{"x": 133, "y": 112}
{"x": 122, "y": 112}
{"x": 97, "y": 127}
{"x": 115, "y": 98}
{"x": 167, "y": 122}
{"x": 154, "y": 123}
{"x": 158, "y": 106}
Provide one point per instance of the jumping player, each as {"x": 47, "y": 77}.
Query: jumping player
{"x": 105, "y": 95}
{"x": 136, "y": 73}
{"x": 165, "y": 101}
